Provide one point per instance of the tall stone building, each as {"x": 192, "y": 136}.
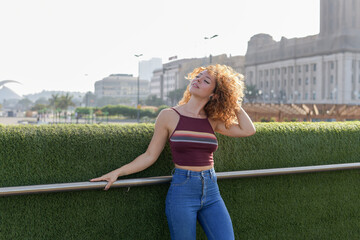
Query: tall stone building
{"x": 146, "y": 68}
{"x": 323, "y": 68}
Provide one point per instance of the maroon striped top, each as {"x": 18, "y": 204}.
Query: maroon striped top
{"x": 193, "y": 142}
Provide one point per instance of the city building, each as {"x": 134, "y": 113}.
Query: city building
{"x": 172, "y": 75}
{"x": 146, "y": 68}
{"x": 156, "y": 84}
{"x": 122, "y": 86}
{"x": 323, "y": 68}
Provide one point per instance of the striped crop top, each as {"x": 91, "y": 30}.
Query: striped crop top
{"x": 193, "y": 142}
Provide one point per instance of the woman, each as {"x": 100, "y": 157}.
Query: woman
{"x": 211, "y": 103}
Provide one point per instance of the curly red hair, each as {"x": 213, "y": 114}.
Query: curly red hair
{"x": 229, "y": 93}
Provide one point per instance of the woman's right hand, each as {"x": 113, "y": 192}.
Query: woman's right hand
{"x": 110, "y": 177}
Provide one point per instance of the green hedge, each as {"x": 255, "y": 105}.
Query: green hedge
{"x": 302, "y": 206}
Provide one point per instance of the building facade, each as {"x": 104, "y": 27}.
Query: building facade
{"x": 122, "y": 86}
{"x": 323, "y": 68}
{"x": 156, "y": 84}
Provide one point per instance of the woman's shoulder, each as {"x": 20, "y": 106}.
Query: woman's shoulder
{"x": 168, "y": 113}
{"x": 167, "y": 118}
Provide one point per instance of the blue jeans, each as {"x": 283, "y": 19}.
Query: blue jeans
{"x": 195, "y": 196}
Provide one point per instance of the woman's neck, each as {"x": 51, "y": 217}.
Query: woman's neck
{"x": 195, "y": 108}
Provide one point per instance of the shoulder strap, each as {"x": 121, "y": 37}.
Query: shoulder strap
{"x": 176, "y": 111}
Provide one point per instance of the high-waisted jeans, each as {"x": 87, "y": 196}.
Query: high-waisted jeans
{"x": 195, "y": 196}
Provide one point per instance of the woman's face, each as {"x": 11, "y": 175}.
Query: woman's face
{"x": 203, "y": 85}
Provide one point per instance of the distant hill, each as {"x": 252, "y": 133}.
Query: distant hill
{"x": 47, "y": 94}
{"x": 7, "y": 94}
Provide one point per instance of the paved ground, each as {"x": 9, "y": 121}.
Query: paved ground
{"x": 16, "y": 120}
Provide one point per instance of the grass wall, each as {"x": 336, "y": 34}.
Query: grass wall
{"x": 303, "y": 206}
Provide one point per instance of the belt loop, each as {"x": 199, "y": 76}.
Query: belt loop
{"x": 188, "y": 174}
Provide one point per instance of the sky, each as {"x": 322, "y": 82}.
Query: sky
{"x": 68, "y": 45}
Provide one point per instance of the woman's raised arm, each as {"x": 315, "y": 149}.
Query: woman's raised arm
{"x": 244, "y": 128}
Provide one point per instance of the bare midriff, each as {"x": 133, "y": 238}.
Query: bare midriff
{"x": 195, "y": 168}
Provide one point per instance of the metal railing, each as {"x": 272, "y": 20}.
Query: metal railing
{"x": 76, "y": 186}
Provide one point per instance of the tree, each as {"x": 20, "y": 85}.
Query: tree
{"x": 53, "y": 103}
{"x": 24, "y": 104}
{"x": 39, "y": 107}
{"x": 65, "y": 101}
{"x": 152, "y": 100}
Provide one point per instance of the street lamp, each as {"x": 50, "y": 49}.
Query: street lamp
{"x": 209, "y": 38}
{"x": 138, "y": 89}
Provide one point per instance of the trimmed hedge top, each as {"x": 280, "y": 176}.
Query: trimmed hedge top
{"x": 70, "y": 153}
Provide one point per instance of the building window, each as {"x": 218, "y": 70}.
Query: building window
{"x": 292, "y": 82}
{"x": 266, "y": 83}
{"x": 314, "y": 95}
{"x": 261, "y": 84}
{"x": 271, "y": 83}
{"x": 307, "y": 81}
{"x": 284, "y": 70}
{"x": 306, "y": 96}
{"x": 306, "y": 68}
{"x": 299, "y": 81}
{"x": 292, "y": 69}
{"x": 272, "y": 72}
{"x": 278, "y": 71}
{"x": 261, "y": 73}
{"x": 331, "y": 95}
{"x": 266, "y": 72}
{"x": 299, "y": 68}
{"x": 284, "y": 82}
{"x": 314, "y": 67}
{"x": 331, "y": 65}
{"x": 314, "y": 80}
{"x": 278, "y": 81}
{"x": 331, "y": 78}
